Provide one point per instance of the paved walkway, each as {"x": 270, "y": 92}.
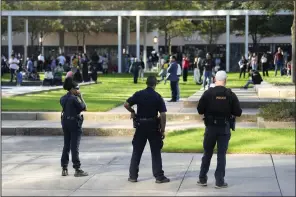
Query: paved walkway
{"x": 20, "y": 90}
{"x": 31, "y": 167}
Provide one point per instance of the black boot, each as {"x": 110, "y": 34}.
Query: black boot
{"x": 132, "y": 180}
{"x": 162, "y": 179}
{"x": 65, "y": 172}
{"x": 220, "y": 186}
{"x": 202, "y": 181}
{"x": 80, "y": 173}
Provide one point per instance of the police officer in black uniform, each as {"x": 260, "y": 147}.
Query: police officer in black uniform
{"x": 218, "y": 105}
{"x": 72, "y": 104}
{"x": 148, "y": 127}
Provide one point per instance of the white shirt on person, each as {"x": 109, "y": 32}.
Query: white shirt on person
{"x": 41, "y": 58}
{"x": 48, "y": 75}
{"x": 13, "y": 63}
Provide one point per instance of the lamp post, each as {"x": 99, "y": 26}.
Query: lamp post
{"x": 41, "y": 45}
{"x": 155, "y": 41}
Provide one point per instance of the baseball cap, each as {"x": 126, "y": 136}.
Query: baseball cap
{"x": 221, "y": 75}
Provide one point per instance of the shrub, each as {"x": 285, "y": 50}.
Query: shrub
{"x": 282, "y": 111}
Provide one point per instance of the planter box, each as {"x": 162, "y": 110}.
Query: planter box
{"x": 274, "y": 124}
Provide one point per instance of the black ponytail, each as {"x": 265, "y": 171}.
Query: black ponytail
{"x": 68, "y": 84}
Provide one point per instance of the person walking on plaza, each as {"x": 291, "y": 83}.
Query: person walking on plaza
{"x": 148, "y": 127}
{"x": 254, "y": 62}
{"x": 264, "y": 63}
{"x": 72, "y": 104}
{"x": 135, "y": 67}
{"x": 208, "y": 65}
{"x": 279, "y": 62}
{"x": 217, "y": 105}
{"x": 13, "y": 66}
{"x": 243, "y": 63}
{"x": 185, "y": 66}
{"x": 40, "y": 64}
{"x": 84, "y": 62}
{"x": 173, "y": 77}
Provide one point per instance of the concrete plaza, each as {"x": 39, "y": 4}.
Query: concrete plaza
{"x": 31, "y": 167}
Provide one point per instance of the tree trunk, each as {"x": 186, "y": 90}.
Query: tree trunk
{"x": 32, "y": 39}
{"x": 77, "y": 42}
{"x": 62, "y": 41}
{"x": 170, "y": 45}
{"x": 165, "y": 41}
{"x": 293, "y": 73}
{"x": 83, "y": 42}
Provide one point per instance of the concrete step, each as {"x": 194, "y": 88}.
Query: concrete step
{"x": 106, "y": 128}
{"x": 24, "y": 83}
{"x": 186, "y": 114}
{"x": 246, "y": 102}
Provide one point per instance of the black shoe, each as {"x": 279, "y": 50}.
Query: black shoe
{"x": 162, "y": 179}
{"x": 202, "y": 183}
{"x": 172, "y": 100}
{"x": 65, "y": 172}
{"x": 132, "y": 180}
{"x": 80, "y": 173}
{"x": 220, "y": 186}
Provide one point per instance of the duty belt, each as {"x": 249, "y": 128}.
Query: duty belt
{"x": 73, "y": 117}
{"x": 70, "y": 117}
{"x": 147, "y": 119}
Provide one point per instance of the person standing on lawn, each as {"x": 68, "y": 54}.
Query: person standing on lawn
{"x": 72, "y": 104}
{"x": 148, "y": 127}
{"x": 217, "y": 105}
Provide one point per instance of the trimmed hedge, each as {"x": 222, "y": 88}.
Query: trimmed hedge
{"x": 283, "y": 111}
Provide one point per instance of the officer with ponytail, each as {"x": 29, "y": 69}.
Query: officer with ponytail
{"x": 72, "y": 104}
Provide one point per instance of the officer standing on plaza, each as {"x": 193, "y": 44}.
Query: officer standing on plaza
{"x": 148, "y": 127}
{"x": 219, "y": 105}
{"x": 72, "y": 104}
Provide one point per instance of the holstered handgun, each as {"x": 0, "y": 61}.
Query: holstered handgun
{"x": 80, "y": 119}
{"x": 232, "y": 122}
{"x": 135, "y": 122}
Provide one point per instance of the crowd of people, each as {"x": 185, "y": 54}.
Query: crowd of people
{"x": 84, "y": 68}
{"x": 281, "y": 62}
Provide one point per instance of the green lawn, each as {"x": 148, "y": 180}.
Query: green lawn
{"x": 278, "y": 79}
{"x": 113, "y": 91}
{"x": 242, "y": 141}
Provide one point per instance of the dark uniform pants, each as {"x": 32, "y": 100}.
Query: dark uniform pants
{"x": 214, "y": 134}
{"x": 174, "y": 89}
{"x": 143, "y": 133}
{"x": 136, "y": 75}
{"x": 72, "y": 135}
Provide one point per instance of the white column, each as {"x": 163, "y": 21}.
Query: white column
{"x": 156, "y": 45}
{"x": 9, "y": 35}
{"x": 227, "y": 43}
{"x": 26, "y": 39}
{"x": 119, "y": 43}
{"x": 138, "y": 35}
{"x": 247, "y": 35}
{"x": 145, "y": 44}
{"x": 128, "y": 35}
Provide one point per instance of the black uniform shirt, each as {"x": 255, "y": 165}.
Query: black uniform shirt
{"x": 148, "y": 102}
{"x": 72, "y": 105}
{"x": 215, "y": 102}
